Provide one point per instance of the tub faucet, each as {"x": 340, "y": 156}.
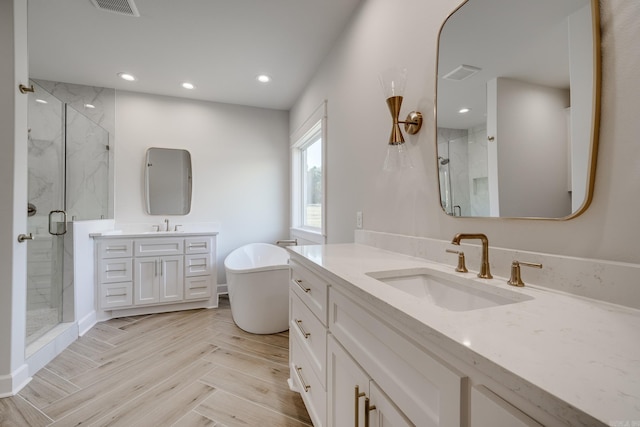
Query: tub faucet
{"x": 484, "y": 273}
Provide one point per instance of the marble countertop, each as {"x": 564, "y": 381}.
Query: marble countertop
{"x": 584, "y": 352}
{"x": 119, "y": 234}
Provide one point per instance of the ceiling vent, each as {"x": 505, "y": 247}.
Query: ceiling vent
{"x": 123, "y": 7}
{"x": 462, "y": 72}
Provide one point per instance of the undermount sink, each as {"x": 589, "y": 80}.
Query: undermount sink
{"x": 452, "y": 295}
{"x": 162, "y": 232}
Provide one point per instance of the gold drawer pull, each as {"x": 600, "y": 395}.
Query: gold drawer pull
{"x": 302, "y": 381}
{"x": 299, "y": 283}
{"x": 358, "y": 395}
{"x": 304, "y": 333}
{"x": 367, "y": 408}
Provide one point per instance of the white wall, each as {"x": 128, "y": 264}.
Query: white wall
{"x": 240, "y": 162}
{"x": 408, "y": 203}
{"x": 13, "y": 190}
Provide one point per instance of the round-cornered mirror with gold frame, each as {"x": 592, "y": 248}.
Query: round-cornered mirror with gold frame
{"x": 518, "y": 108}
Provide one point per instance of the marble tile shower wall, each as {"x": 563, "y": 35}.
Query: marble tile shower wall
{"x": 87, "y": 154}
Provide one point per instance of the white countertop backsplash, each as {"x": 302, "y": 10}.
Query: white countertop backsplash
{"x": 582, "y": 351}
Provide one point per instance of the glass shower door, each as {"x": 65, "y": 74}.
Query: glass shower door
{"x": 46, "y": 170}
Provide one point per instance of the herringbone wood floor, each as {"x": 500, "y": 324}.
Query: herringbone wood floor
{"x": 189, "y": 368}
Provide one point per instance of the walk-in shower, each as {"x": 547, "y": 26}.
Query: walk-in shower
{"x": 68, "y": 175}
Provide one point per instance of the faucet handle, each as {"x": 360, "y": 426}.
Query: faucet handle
{"x": 175, "y": 228}
{"x": 461, "y": 267}
{"x": 515, "y": 279}
{"x": 157, "y": 227}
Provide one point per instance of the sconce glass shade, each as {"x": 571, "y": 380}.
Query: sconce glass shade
{"x": 393, "y": 81}
{"x": 397, "y": 158}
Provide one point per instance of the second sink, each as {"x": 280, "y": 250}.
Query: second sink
{"x": 448, "y": 294}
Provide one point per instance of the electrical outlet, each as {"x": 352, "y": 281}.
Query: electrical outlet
{"x": 359, "y": 219}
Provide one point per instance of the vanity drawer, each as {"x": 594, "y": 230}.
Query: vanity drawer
{"x": 425, "y": 389}
{"x": 198, "y": 245}
{"x": 115, "y": 295}
{"x": 115, "y": 248}
{"x": 158, "y": 246}
{"x": 113, "y": 270}
{"x": 311, "y": 289}
{"x": 311, "y": 335}
{"x": 312, "y": 391}
{"x": 197, "y": 265}
{"x": 198, "y": 287}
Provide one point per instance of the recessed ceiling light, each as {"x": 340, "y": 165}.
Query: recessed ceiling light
{"x": 263, "y": 78}
{"x": 41, "y": 101}
{"x": 126, "y": 76}
{"x": 89, "y": 106}
{"x": 188, "y": 85}
{"x": 464, "y": 110}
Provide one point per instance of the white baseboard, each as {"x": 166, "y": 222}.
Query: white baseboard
{"x": 12, "y": 383}
{"x": 87, "y": 322}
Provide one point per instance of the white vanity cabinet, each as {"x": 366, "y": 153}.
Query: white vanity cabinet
{"x": 308, "y": 340}
{"x": 146, "y": 271}
{"x": 336, "y": 345}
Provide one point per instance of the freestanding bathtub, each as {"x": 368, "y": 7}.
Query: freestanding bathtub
{"x": 258, "y": 284}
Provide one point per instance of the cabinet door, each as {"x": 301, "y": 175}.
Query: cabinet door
{"x": 145, "y": 281}
{"x": 171, "y": 278}
{"x": 385, "y": 414}
{"x": 344, "y": 399}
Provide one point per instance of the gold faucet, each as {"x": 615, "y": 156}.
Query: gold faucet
{"x": 484, "y": 273}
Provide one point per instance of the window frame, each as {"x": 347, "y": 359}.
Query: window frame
{"x": 305, "y": 136}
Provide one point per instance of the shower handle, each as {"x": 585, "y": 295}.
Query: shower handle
{"x": 23, "y": 237}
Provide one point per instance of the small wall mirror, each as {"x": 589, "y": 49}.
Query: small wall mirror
{"x": 518, "y": 108}
{"x": 168, "y": 181}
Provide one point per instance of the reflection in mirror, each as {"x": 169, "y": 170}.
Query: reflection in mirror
{"x": 168, "y": 181}
{"x": 517, "y": 108}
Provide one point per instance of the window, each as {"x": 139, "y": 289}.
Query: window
{"x": 308, "y": 179}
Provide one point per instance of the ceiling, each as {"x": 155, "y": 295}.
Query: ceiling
{"x": 220, "y": 46}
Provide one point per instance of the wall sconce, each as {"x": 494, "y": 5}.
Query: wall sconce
{"x": 393, "y": 82}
